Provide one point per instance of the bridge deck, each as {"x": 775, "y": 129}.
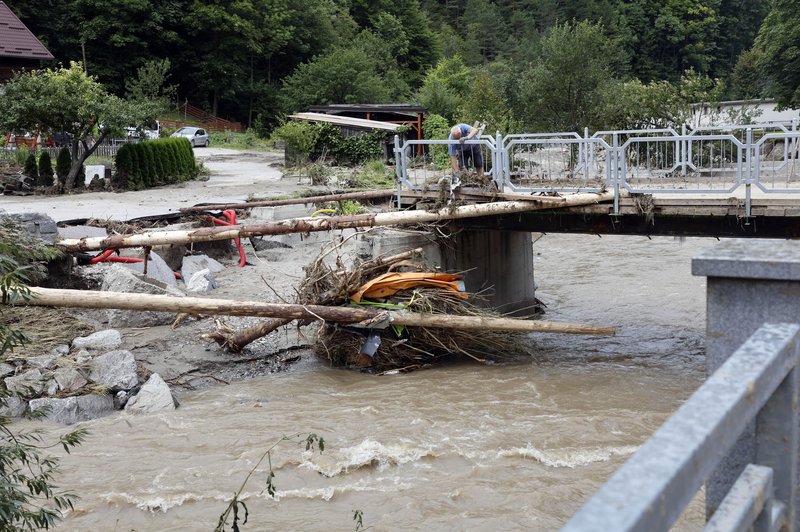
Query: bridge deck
{"x": 772, "y": 216}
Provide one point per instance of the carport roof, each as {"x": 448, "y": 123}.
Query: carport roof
{"x": 346, "y": 121}
{"x": 16, "y": 40}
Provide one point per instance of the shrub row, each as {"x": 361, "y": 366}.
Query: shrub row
{"x": 154, "y": 162}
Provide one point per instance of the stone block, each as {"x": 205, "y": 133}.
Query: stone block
{"x": 105, "y": 340}
{"x": 202, "y": 281}
{"x": 154, "y": 396}
{"x": 157, "y": 269}
{"x": 74, "y": 409}
{"x": 14, "y": 406}
{"x": 119, "y": 279}
{"x": 116, "y": 370}
{"x": 27, "y": 384}
{"x": 69, "y": 379}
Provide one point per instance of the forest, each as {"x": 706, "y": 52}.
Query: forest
{"x": 535, "y": 65}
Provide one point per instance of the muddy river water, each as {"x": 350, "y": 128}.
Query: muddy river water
{"x": 464, "y": 447}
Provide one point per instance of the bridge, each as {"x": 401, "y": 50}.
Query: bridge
{"x": 737, "y": 180}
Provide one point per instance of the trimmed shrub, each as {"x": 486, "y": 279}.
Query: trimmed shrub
{"x": 45, "y": 170}
{"x": 63, "y": 164}
{"x": 154, "y": 162}
{"x": 30, "y": 169}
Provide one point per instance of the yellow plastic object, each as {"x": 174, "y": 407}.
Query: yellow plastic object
{"x": 390, "y": 283}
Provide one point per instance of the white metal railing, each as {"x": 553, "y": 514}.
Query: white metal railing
{"x": 706, "y": 160}
{"x": 759, "y": 382}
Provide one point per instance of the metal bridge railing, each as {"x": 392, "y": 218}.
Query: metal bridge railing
{"x": 707, "y": 160}
{"x": 759, "y": 382}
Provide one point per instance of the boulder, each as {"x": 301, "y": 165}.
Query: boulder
{"x": 28, "y": 384}
{"x": 73, "y": 409}
{"x": 69, "y": 379}
{"x": 154, "y": 396}
{"x": 119, "y": 279}
{"x": 82, "y": 357}
{"x": 195, "y": 263}
{"x": 38, "y": 225}
{"x": 116, "y": 370}
{"x": 61, "y": 350}
{"x": 43, "y": 361}
{"x": 99, "y": 341}
{"x": 157, "y": 269}
{"x": 7, "y": 369}
{"x": 13, "y": 406}
{"x": 202, "y": 281}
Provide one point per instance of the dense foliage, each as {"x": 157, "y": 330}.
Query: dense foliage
{"x": 491, "y": 60}
{"x": 154, "y": 162}
{"x": 45, "y": 170}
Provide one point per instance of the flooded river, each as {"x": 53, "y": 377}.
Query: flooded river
{"x": 466, "y": 447}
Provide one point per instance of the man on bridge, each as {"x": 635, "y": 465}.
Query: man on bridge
{"x": 460, "y": 152}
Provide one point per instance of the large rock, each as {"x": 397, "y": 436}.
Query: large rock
{"x": 43, "y": 361}
{"x": 119, "y": 279}
{"x": 28, "y": 384}
{"x": 13, "y": 406}
{"x": 194, "y": 263}
{"x": 38, "y": 225}
{"x": 100, "y": 341}
{"x": 73, "y": 409}
{"x": 154, "y": 396}
{"x": 202, "y": 281}
{"x": 116, "y": 370}
{"x": 7, "y": 369}
{"x": 69, "y": 379}
{"x": 157, "y": 269}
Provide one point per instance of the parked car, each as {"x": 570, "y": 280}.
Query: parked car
{"x": 149, "y": 132}
{"x": 197, "y": 136}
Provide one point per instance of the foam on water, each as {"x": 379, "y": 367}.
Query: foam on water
{"x": 367, "y": 453}
{"x": 566, "y": 457}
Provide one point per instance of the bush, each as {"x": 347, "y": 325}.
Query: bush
{"x": 435, "y": 127}
{"x": 63, "y": 164}
{"x": 45, "y": 170}
{"x": 154, "y": 162}
{"x": 299, "y": 139}
{"x": 30, "y": 169}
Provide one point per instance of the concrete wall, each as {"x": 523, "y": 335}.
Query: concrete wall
{"x": 750, "y": 282}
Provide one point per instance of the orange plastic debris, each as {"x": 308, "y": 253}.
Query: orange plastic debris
{"x": 390, "y": 283}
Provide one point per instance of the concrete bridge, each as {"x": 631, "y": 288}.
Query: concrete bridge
{"x": 729, "y": 181}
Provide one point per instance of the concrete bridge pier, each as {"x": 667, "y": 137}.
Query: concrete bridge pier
{"x": 497, "y": 262}
{"x": 750, "y": 282}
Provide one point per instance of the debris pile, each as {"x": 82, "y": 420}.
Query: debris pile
{"x": 397, "y": 284}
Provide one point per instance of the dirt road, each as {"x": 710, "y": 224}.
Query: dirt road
{"x": 232, "y": 176}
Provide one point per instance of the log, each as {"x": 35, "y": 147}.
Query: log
{"x": 365, "y": 194}
{"x": 238, "y": 340}
{"x": 56, "y": 297}
{"x": 307, "y": 225}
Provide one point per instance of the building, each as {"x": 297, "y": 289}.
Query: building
{"x": 19, "y": 48}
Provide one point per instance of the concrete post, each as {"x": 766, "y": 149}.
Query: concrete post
{"x": 500, "y": 262}
{"x": 750, "y": 282}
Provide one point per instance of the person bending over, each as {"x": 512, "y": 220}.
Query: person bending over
{"x": 461, "y": 153}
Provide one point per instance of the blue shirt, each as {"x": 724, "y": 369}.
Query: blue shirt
{"x": 452, "y": 149}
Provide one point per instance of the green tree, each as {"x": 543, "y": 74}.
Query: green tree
{"x": 150, "y": 85}
{"x": 445, "y": 86}
{"x": 564, "y": 90}
{"x": 66, "y": 99}
{"x": 362, "y": 72}
{"x": 31, "y": 169}
{"x": 63, "y": 164}
{"x": 45, "y": 170}
{"x": 779, "y": 40}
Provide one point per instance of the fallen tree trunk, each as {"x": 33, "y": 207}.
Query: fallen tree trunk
{"x": 238, "y": 340}
{"x": 307, "y": 225}
{"x": 55, "y": 297}
{"x": 366, "y": 194}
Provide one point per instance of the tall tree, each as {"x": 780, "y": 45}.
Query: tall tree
{"x": 779, "y": 39}
{"x": 563, "y": 90}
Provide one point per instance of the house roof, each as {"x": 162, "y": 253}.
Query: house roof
{"x": 16, "y": 40}
{"x": 346, "y": 121}
{"x": 397, "y": 108}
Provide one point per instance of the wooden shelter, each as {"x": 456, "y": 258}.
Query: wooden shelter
{"x": 394, "y": 113}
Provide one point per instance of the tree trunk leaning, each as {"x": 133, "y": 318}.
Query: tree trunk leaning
{"x": 55, "y": 297}
{"x": 307, "y": 225}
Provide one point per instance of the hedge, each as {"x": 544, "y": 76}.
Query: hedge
{"x": 154, "y": 162}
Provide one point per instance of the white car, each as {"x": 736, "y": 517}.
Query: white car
{"x": 197, "y": 136}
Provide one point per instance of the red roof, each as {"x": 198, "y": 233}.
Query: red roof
{"x": 16, "y": 40}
